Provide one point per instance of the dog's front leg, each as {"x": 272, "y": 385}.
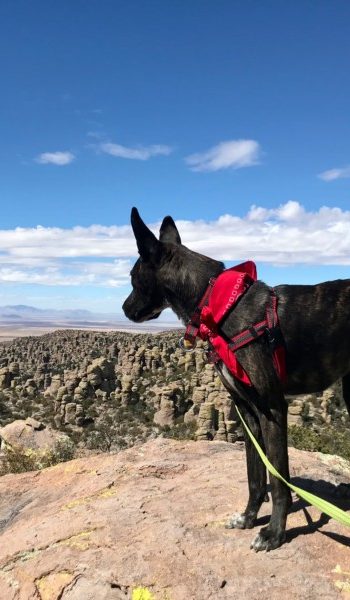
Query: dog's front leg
{"x": 256, "y": 473}
{"x": 274, "y": 429}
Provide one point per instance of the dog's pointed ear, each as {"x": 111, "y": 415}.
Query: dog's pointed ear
{"x": 146, "y": 241}
{"x": 168, "y": 232}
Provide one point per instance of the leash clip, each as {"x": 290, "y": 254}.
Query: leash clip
{"x": 184, "y": 348}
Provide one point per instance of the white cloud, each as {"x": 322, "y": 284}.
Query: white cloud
{"x": 54, "y": 242}
{"x": 233, "y": 154}
{"x": 55, "y": 158}
{"x": 110, "y": 274}
{"x": 102, "y": 256}
{"x": 286, "y": 235}
{"x": 333, "y": 174}
{"x": 138, "y": 153}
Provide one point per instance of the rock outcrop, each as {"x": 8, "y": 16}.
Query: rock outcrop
{"x": 70, "y": 379}
{"x": 152, "y": 518}
{"x": 30, "y": 434}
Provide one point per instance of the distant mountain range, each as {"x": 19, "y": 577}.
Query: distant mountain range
{"x": 22, "y": 311}
{"x": 23, "y": 315}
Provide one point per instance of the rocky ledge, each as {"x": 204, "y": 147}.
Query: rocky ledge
{"x": 152, "y": 518}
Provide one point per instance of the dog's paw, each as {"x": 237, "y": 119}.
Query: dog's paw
{"x": 267, "y": 540}
{"x": 240, "y": 521}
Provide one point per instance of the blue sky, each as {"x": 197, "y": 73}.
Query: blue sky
{"x": 196, "y": 109}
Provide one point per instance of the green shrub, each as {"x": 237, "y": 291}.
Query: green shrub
{"x": 180, "y": 431}
{"x": 328, "y": 440}
{"x": 19, "y": 460}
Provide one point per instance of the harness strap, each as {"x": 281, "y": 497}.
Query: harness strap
{"x": 267, "y": 325}
{"x": 275, "y": 337}
{"x": 248, "y": 335}
{"x": 271, "y": 310}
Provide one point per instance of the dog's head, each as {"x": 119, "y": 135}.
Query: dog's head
{"x": 147, "y": 299}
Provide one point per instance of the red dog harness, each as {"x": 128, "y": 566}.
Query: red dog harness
{"x": 219, "y": 299}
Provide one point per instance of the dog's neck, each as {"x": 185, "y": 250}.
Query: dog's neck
{"x": 185, "y": 280}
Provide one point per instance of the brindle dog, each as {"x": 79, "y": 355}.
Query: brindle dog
{"x": 315, "y": 321}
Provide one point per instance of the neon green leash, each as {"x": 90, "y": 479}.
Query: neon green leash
{"x": 326, "y": 507}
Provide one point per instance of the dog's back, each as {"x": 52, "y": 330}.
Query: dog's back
{"x": 315, "y": 320}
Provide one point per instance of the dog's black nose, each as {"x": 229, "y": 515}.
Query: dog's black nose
{"x": 129, "y": 310}
{"x": 125, "y": 309}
